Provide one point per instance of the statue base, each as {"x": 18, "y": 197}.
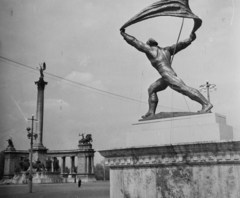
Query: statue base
{"x": 10, "y": 149}
{"x": 84, "y": 146}
{"x": 186, "y": 156}
{"x": 38, "y": 178}
{"x": 85, "y": 177}
{"x": 183, "y": 129}
{"x": 181, "y": 170}
{"x": 39, "y": 153}
{"x": 163, "y": 115}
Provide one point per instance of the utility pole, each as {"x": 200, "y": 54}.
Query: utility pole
{"x": 104, "y": 170}
{"x": 31, "y": 135}
{"x": 208, "y": 87}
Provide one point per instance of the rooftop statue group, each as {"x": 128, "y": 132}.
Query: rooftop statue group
{"x": 160, "y": 58}
{"x": 85, "y": 140}
{"x": 10, "y": 143}
{"x": 10, "y": 146}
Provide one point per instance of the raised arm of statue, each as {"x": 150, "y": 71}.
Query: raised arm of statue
{"x": 41, "y": 69}
{"x": 181, "y": 45}
{"x": 142, "y": 47}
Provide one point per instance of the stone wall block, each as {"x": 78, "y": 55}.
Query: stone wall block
{"x": 203, "y": 170}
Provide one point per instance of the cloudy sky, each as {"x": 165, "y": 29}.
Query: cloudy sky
{"x": 79, "y": 40}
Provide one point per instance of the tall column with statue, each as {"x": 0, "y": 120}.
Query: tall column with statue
{"x": 38, "y": 149}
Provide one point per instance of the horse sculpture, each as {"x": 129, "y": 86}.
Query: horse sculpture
{"x": 85, "y": 140}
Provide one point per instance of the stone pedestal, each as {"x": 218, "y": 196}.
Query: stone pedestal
{"x": 12, "y": 158}
{"x": 39, "y": 153}
{"x": 171, "y": 171}
{"x": 38, "y": 178}
{"x": 86, "y": 177}
{"x": 195, "y": 128}
{"x": 192, "y": 156}
{"x": 71, "y": 178}
{"x": 85, "y": 162}
{"x": 9, "y": 163}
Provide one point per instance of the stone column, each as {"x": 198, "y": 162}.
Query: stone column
{"x": 92, "y": 164}
{"x": 72, "y": 165}
{"x": 52, "y": 165}
{"x": 63, "y": 164}
{"x": 87, "y": 164}
{"x": 38, "y": 144}
{"x": 73, "y": 158}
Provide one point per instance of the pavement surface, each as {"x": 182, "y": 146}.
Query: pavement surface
{"x": 99, "y": 189}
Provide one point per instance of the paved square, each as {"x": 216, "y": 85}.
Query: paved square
{"x": 97, "y": 189}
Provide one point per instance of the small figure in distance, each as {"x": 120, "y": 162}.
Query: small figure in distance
{"x": 79, "y": 183}
{"x": 160, "y": 59}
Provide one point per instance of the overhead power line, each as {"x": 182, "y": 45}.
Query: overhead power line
{"x": 83, "y": 85}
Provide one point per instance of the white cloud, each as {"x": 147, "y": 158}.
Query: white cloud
{"x": 48, "y": 103}
{"x": 82, "y": 78}
{"x": 79, "y": 77}
{"x": 52, "y": 103}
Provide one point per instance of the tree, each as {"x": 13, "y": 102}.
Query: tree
{"x": 99, "y": 172}
{"x": 107, "y": 173}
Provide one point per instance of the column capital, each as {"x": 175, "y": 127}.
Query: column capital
{"x": 41, "y": 83}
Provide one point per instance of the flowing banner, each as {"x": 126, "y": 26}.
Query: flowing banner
{"x": 174, "y": 8}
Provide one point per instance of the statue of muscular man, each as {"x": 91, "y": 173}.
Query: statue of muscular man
{"x": 160, "y": 59}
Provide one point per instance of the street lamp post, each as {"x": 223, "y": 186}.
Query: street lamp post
{"x": 207, "y": 87}
{"x": 31, "y": 135}
{"x": 104, "y": 169}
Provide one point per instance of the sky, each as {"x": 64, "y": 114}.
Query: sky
{"x": 79, "y": 40}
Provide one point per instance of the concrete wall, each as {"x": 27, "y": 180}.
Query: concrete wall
{"x": 210, "y": 181}
{"x": 197, "y": 170}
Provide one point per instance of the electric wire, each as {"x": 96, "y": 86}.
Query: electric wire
{"x": 99, "y": 91}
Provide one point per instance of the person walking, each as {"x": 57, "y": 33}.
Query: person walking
{"x": 79, "y": 183}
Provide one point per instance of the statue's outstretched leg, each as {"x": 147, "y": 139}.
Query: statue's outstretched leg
{"x": 157, "y": 86}
{"x": 152, "y": 102}
{"x": 178, "y": 85}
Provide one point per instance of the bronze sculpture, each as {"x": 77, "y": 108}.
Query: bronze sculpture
{"x": 160, "y": 59}
{"x": 48, "y": 164}
{"x": 85, "y": 140}
{"x": 41, "y": 69}
{"x": 10, "y": 143}
{"x": 55, "y": 164}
